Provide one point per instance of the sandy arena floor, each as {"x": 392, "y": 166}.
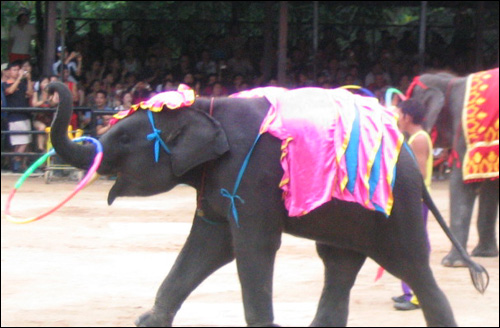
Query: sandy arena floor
{"x": 93, "y": 265}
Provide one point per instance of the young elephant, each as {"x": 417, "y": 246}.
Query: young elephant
{"x": 214, "y": 146}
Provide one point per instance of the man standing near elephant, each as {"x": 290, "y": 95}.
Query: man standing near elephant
{"x": 411, "y": 115}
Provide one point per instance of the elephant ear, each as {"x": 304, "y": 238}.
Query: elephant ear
{"x": 200, "y": 139}
{"x": 433, "y": 99}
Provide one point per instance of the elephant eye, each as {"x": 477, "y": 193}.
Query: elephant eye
{"x": 124, "y": 139}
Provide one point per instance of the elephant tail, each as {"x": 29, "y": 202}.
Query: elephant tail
{"x": 479, "y": 275}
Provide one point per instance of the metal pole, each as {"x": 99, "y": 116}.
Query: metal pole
{"x": 50, "y": 39}
{"x": 63, "y": 37}
{"x": 421, "y": 36}
{"x": 283, "y": 41}
{"x": 478, "y": 65}
{"x": 315, "y": 40}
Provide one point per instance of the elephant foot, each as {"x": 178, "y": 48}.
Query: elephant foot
{"x": 152, "y": 318}
{"x": 453, "y": 260}
{"x": 482, "y": 250}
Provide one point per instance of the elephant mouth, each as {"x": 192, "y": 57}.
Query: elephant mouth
{"x": 116, "y": 190}
{"x": 132, "y": 186}
{"x": 126, "y": 186}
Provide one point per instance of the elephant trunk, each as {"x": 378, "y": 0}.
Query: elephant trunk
{"x": 80, "y": 156}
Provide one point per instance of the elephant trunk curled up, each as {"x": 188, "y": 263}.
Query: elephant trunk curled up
{"x": 80, "y": 156}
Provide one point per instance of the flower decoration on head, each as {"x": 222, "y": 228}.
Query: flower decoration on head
{"x": 183, "y": 97}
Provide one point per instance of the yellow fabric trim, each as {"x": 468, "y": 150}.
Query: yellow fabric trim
{"x": 468, "y": 85}
{"x": 267, "y": 122}
{"x": 285, "y": 143}
{"x": 371, "y": 160}
{"x": 347, "y": 137}
{"x": 284, "y": 146}
{"x": 284, "y": 182}
{"x": 390, "y": 175}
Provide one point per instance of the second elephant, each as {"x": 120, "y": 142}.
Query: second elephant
{"x": 443, "y": 94}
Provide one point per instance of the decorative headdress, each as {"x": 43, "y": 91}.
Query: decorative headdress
{"x": 183, "y": 97}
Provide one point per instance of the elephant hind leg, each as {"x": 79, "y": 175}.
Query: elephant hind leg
{"x": 435, "y": 306}
{"x": 418, "y": 275}
{"x": 341, "y": 268}
{"x": 486, "y": 221}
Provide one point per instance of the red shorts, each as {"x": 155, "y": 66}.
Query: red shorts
{"x": 74, "y": 121}
{"x": 13, "y": 57}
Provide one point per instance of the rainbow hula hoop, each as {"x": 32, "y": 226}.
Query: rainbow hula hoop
{"x": 389, "y": 94}
{"x": 357, "y": 87}
{"x": 40, "y": 161}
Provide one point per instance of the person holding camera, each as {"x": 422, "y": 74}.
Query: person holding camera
{"x": 18, "y": 92}
{"x": 73, "y": 61}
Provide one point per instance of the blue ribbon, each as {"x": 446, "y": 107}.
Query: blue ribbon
{"x": 351, "y": 153}
{"x": 157, "y": 138}
{"x": 232, "y": 197}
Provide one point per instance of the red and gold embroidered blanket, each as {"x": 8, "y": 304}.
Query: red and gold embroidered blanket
{"x": 480, "y": 124}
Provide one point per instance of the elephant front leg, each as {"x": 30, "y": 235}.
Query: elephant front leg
{"x": 255, "y": 263}
{"x": 207, "y": 248}
{"x": 487, "y": 220}
{"x": 462, "y": 198}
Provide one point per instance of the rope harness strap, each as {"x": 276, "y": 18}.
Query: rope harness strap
{"x": 233, "y": 197}
{"x": 199, "y": 206}
{"x": 156, "y": 137}
{"x": 416, "y": 81}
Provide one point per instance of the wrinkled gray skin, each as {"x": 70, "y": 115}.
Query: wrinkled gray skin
{"x": 345, "y": 233}
{"x": 446, "y": 114}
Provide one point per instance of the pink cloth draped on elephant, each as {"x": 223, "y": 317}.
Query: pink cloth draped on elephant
{"x": 334, "y": 145}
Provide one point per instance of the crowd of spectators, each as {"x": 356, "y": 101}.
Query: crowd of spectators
{"x": 114, "y": 71}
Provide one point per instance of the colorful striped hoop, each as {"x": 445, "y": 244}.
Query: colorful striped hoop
{"x": 40, "y": 161}
{"x": 357, "y": 87}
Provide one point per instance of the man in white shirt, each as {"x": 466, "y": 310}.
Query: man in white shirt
{"x": 20, "y": 38}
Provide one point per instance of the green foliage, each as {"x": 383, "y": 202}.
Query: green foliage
{"x": 180, "y": 22}
{"x": 10, "y": 10}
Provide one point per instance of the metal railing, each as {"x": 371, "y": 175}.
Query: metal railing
{"x": 89, "y": 130}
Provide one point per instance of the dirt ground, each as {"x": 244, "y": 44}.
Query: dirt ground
{"x": 93, "y": 265}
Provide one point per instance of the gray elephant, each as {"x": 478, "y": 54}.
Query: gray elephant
{"x": 443, "y": 94}
{"x": 204, "y": 146}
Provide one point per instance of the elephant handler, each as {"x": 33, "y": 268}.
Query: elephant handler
{"x": 411, "y": 115}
